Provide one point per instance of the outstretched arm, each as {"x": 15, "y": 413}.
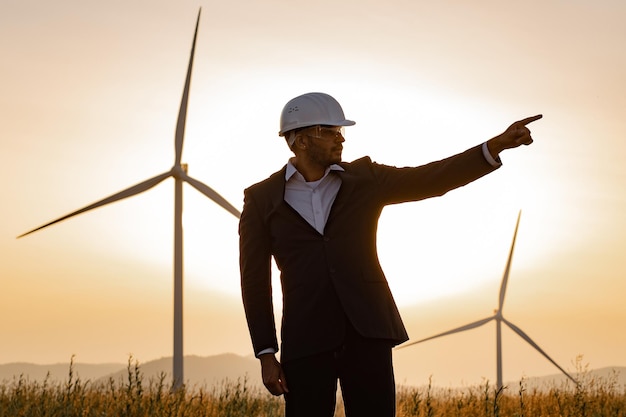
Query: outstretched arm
{"x": 515, "y": 135}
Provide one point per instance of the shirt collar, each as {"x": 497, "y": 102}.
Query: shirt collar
{"x": 291, "y": 170}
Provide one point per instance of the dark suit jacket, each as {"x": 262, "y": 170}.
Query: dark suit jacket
{"x": 329, "y": 278}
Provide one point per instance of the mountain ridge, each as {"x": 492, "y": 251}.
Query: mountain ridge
{"x": 211, "y": 371}
{"x": 199, "y": 370}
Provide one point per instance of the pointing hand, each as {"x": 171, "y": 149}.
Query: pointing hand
{"x": 515, "y": 135}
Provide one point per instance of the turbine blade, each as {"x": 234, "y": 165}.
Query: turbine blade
{"x": 212, "y": 194}
{"x": 527, "y": 338}
{"x": 473, "y": 325}
{"x": 182, "y": 113}
{"x": 129, "y": 192}
{"x": 505, "y": 278}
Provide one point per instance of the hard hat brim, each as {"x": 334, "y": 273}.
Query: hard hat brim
{"x": 309, "y": 124}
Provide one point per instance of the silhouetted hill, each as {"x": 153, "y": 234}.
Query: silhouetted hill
{"x": 210, "y": 371}
{"x": 57, "y": 372}
{"x": 201, "y": 371}
{"x": 615, "y": 376}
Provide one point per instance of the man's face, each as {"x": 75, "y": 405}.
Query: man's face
{"x": 325, "y": 144}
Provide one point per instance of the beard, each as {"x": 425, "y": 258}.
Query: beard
{"x": 324, "y": 156}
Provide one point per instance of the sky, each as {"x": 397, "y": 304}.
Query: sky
{"x": 89, "y": 95}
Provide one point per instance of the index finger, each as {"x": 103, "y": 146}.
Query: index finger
{"x": 528, "y": 120}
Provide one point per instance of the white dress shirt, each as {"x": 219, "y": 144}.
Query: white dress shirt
{"x": 314, "y": 199}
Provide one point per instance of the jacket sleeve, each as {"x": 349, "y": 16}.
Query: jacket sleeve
{"x": 400, "y": 185}
{"x": 255, "y": 268}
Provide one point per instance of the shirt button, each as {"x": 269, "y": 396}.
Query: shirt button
{"x": 326, "y": 239}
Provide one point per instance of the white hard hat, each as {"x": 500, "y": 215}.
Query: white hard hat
{"x": 312, "y": 109}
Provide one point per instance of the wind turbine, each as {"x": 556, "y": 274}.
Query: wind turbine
{"x": 499, "y": 318}
{"x": 179, "y": 173}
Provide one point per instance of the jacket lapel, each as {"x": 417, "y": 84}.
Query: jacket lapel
{"x": 276, "y": 194}
{"x": 348, "y": 184}
{"x": 276, "y": 189}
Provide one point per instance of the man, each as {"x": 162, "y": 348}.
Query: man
{"x": 318, "y": 217}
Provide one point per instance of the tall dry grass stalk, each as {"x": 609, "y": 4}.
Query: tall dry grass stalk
{"x": 133, "y": 396}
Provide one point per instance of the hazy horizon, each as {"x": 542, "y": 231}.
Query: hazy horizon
{"x": 216, "y": 369}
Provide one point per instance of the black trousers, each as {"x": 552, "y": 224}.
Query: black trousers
{"x": 364, "y": 369}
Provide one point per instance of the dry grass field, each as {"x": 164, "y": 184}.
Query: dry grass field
{"x": 134, "y": 396}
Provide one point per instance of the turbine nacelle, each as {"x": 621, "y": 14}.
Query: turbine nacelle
{"x": 179, "y": 171}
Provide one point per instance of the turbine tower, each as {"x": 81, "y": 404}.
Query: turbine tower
{"x": 499, "y": 318}
{"x": 179, "y": 173}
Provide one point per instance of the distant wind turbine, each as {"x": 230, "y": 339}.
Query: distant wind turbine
{"x": 179, "y": 173}
{"x": 499, "y": 318}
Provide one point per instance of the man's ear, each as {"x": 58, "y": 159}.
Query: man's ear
{"x": 300, "y": 141}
